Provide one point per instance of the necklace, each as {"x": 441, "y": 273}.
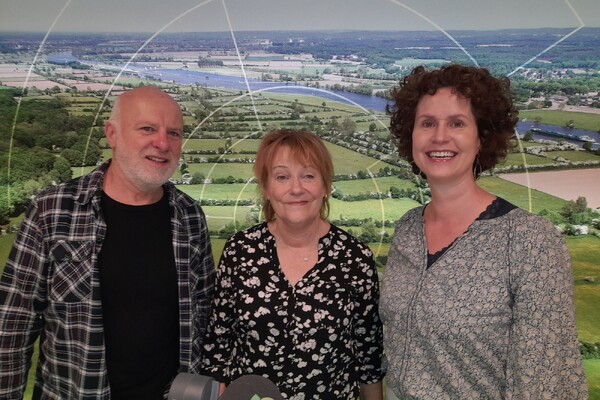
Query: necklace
{"x": 305, "y": 259}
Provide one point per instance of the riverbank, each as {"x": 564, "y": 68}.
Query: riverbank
{"x": 568, "y": 185}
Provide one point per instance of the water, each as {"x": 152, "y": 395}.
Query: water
{"x": 524, "y": 126}
{"x": 189, "y": 77}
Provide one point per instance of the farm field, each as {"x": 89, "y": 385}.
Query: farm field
{"x": 362, "y": 152}
{"x": 584, "y": 250}
{"x": 586, "y": 121}
{"x": 592, "y": 371}
{"x": 528, "y": 199}
{"x": 568, "y": 185}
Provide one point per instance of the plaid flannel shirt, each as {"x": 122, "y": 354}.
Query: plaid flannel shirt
{"x": 50, "y": 289}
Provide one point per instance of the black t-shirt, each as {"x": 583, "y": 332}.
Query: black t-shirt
{"x": 138, "y": 282}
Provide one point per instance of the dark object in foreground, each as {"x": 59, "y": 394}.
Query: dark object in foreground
{"x": 199, "y": 387}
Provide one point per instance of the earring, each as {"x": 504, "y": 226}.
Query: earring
{"x": 477, "y": 169}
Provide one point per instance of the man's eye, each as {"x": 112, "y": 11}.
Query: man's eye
{"x": 147, "y": 128}
{"x": 174, "y": 133}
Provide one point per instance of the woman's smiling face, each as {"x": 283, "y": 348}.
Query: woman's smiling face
{"x": 295, "y": 190}
{"x": 445, "y": 141}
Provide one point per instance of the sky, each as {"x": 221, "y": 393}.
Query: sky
{"x": 243, "y": 15}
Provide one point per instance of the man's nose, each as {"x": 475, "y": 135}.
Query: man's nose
{"x": 161, "y": 140}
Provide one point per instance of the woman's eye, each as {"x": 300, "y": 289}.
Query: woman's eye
{"x": 427, "y": 124}
{"x": 309, "y": 177}
{"x": 457, "y": 124}
{"x": 281, "y": 178}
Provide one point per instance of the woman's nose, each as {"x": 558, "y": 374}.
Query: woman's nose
{"x": 297, "y": 184}
{"x": 439, "y": 134}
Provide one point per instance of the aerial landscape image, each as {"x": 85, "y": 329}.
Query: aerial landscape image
{"x": 239, "y": 69}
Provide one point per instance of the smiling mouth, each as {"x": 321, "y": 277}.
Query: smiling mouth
{"x": 441, "y": 155}
{"x": 157, "y": 159}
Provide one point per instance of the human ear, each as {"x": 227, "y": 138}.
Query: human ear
{"x": 110, "y": 132}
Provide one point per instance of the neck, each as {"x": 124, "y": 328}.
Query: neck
{"x": 298, "y": 236}
{"x": 457, "y": 202}
{"x": 118, "y": 189}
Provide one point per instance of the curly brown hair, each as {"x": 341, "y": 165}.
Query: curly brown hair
{"x": 491, "y": 104}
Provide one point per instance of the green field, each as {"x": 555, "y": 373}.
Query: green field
{"x": 575, "y": 156}
{"x": 585, "y": 253}
{"x": 592, "y": 371}
{"x": 585, "y": 121}
{"x": 585, "y": 250}
{"x": 525, "y": 159}
{"x": 528, "y": 199}
{"x": 355, "y": 187}
{"x": 234, "y": 191}
{"x": 237, "y": 145}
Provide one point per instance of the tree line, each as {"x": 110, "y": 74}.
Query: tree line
{"x": 39, "y": 144}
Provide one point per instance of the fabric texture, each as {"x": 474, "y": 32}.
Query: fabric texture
{"x": 315, "y": 340}
{"x": 50, "y": 289}
{"x": 492, "y": 318}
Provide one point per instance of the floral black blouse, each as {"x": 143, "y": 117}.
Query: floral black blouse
{"x": 318, "y": 339}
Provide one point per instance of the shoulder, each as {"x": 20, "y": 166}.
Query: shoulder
{"x": 79, "y": 191}
{"x": 524, "y": 223}
{"x": 181, "y": 199}
{"x": 340, "y": 236}
{"x": 412, "y": 216}
{"x": 254, "y": 234}
{"x": 535, "y": 240}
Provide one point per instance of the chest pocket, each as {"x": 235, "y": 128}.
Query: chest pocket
{"x": 71, "y": 270}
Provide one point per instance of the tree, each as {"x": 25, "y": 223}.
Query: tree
{"x": 369, "y": 232}
{"x": 62, "y": 170}
{"x": 395, "y": 193}
{"x": 73, "y": 157}
{"x": 183, "y": 168}
{"x": 362, "y": 174}
{"x": 333, "y": 122}
{"x": 200, "y": 114}
{"x": 91, "y": 151}
{"x": 348, "y": 126}
{"x": 197, "y": 178}
{"x": 372, "y": 127}
{"x": 576, "y": 212}
{"x": 6, "y": 208}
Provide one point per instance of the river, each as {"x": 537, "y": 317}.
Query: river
{"x": 375, "y": 103}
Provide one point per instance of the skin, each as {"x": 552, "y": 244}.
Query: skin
{"x": 296, "y": 192}
{"x": 445, "y": 144}
{"x": 145, "y": 135}
{"x": 445, "y": 139}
